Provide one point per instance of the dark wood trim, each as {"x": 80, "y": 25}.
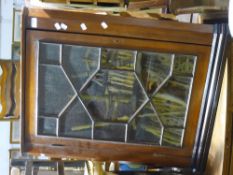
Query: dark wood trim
{"x": 171, "y": 31}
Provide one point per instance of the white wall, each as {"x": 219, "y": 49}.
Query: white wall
{"x": 6, "y": 13}
{"x": 6, "y": 18}
{"x": 4, "y": 147}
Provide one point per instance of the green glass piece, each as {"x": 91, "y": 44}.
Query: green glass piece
{"x": 47, "y": 126}
{"x": 80, "y": 62}
{"x": 75, "y": 122}
{"x": 49, "y": 53}
{"x": 171, "y": 101}
{"x": 173, "y": 137}
{"x": 113, "y": 96}
{"x": 145, "y": 127}
{"x": 117, "y": 59}
{"x": 153, "y": 69}
{"x": 109, "y": 131}
{"x": 184, "y": 65}
{"x": 54, "y": 91}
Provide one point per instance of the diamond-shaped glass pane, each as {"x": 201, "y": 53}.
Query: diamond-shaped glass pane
{"x": 55, "y": 90}
{"x": 113, "y": 96}
{"x": 172, "y": 137}
{"x": 145, "y": 127}
{"x": 153, "y": 69}
{"x": 75, "y": 121}
{"x": 109, "y": 131}
{"x": 117, "y": 59}
{"x": 171, "y": 101}
{"x": 80, "y": 63}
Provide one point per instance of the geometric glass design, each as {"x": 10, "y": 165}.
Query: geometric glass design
{"x": 145, "y": 127}
{"x": 111, "y": 94}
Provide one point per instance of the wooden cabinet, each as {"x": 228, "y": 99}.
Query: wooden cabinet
{"x": 118, "y": 88}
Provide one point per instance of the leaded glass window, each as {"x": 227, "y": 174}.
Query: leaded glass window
{"x": 120, "y": 95}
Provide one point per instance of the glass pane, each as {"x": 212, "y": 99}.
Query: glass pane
{"x": 117, "y": 59}
{"x": 113, "y": 96}
{"x": 80, "y": 63}
{"x": 47, "y": 126}
{"x": 108, "y": 131}
{"x": 49, "y": 53}
{"x": 145, "y": 127}
{"x": 75, "y": 122}
{"x": 184, "y": 64}
{"x": 171, "y": 101}
{"x": 54, "y": 90}
{"x": 172, "y": 137}
{"x": 153, "y": 69}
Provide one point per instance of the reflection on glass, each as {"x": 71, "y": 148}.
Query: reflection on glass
{"x": 47, "y": 126}
{"x": 117, "y": 59}
{"x": 171, "y": 101}
{"x": 184, "y": 64}
{"x": 79, "y": 63}
{"x": 95, "y": 92}
{"x": 75, "y": 121}
{"x": 145, "y": 127}
{"x": 109, "y": 131}
{"x": 49, "y": 53}
{"x": 113, "y": 96}
{"x": 172, "y": 137}
{"x": 153, "y": 69}
{"x": 54, "y": 90}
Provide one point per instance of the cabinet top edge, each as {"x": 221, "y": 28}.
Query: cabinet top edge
{"x": 71, "y": 14}
{"x": 152, "y": 29}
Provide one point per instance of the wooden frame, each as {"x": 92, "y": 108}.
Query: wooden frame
{"x": 156, "y": 36}
{"x": 15, "y": 131}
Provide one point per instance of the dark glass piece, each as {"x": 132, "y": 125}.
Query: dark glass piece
{"x": 172, "y": 137}
{"x": 47, "y": 126}
{"x": 55, "y": 90}
{"x": 75, "y": 122}
{"x": 145, "y": 127}
{"x": 49, "y": 53}
{"x": 109, "y": 131}
{"x": 80, "y": 62}
{"x": 171, "y": 101}
{"x": 117, "y": 59}
{"x": 113, "y": 96}
{"x": 184, "y": 65}
{"x": 153, "y": 69}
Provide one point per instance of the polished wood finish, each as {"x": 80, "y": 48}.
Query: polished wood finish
{"x": 122, "y": 26}
{"x": 123, "y": 32}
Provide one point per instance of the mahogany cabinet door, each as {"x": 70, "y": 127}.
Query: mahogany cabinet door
{"x": 112, "y": 98}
